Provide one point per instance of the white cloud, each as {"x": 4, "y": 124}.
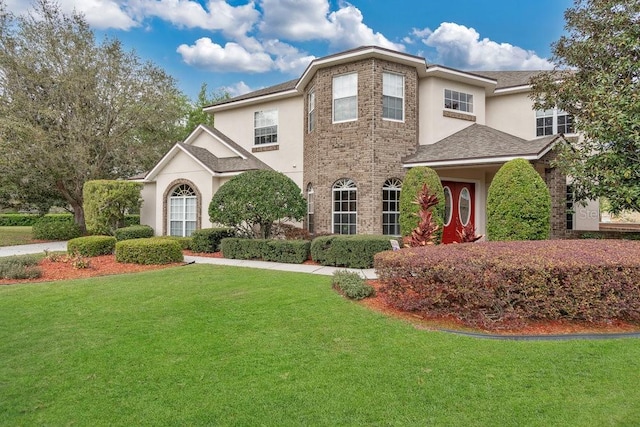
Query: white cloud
{"x": 460, "y": 47}
{"x": 218, "y": 14}
{"x": 311, "y": 20}
{"x": 237, "y": 89}
{"x": 288, "y": 59}
{"x": 207, "y": 55}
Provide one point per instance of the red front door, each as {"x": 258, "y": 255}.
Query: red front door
{"x": 459, "y": 209}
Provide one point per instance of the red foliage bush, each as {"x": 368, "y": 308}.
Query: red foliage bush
{"x": 490, "y": 284}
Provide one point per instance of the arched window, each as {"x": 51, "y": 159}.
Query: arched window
{"x": 391, "y": 207}
{"x": 310, "y": 209}
{"x": 182, "y": 211}
{"x": 345, "y": 213}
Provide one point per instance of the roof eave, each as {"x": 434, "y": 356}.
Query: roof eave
{"x": 250, "y": 101}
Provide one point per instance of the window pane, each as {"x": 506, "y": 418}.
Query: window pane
{"x": 265, "y": 127}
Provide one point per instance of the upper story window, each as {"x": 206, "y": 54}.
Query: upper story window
{"x": 312, "y": 110}
{"x": 553, "y": 121}
{"x": 265, "y": 125}
{"x": 392, "y": 96}
{"x": 345, "y": 97}
{"x": 458, "y": 101}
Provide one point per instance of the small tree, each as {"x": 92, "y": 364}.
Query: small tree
{"x": 252, "y": 201}
{"x": 106, "y": 204}
{"x": 411, "y": 186}
{"x": 518, "y": 204}
{"x": 425, "y": 232}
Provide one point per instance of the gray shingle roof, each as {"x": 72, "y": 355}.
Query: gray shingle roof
{"x": 225, "y": 164}
{"x": 508, "y": 79}
{"x": 282, "y": 87}
{"x": 478, "y": 142}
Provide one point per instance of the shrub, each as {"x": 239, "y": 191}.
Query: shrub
{"x": 92, "y": 245}
{"x": 48, "y": 229}
{"x": 152, "y": 250}
{"x": 252, "y": 201}
{"x": 133, "y": 232}
{"x": 27, "y": 220}
{"x": 348, "y": 251}
{"x": 411, "y": 186}
{"x": 185, "y": 242}
{"x": 290, "y": 232}
{"x": 238, "y": 248}
{"x": 351, "y": 284}
{"x": 490, "y": 284}
{"x": 106, "y": 203}
{"x": 208, "y": 239}
{"x": 20, "y": 267}
{"x": 518, "y": 204}
{"x": 131, "y": 219}
{"x": 288, "y": 251}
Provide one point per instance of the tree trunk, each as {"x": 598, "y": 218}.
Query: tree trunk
{"x": 78, "y": 217}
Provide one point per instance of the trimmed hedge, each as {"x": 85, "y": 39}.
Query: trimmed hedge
{"x": 348, "y": 251}
{"x": 351, "y": 284}
{"x": 27, "y": 220}
{"x": 208, "y": 239}
{"x": 20, "y": 267}
{"x": 92, "y": 245}
{"x": 152, "y": 250}
{"x": 287, "y": 251}
{"x": 47, "y": 228}
{"x": 412, "y": 184}
{"x": 133, "y": 232}
{"x": 489, "y": 284}
{"x": 185, "y": 242}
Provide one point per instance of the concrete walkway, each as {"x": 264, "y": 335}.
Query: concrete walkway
{"x": 297, "y": 268}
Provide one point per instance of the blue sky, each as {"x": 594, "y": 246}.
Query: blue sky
{"x": 241, "y": 45}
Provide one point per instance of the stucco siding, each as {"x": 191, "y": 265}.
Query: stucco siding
{"x": 512, "y": 114}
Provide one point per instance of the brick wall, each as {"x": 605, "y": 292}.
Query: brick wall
{"x": 368, "y": 150}
{"x": 557, "y": 183}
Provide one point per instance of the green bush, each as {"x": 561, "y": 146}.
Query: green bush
{"x": 91, "y": 245}
{"x": 133, "y": 232}
{"x": 348, "y": 251}
{"x": 238, "y": 248}
{"x": 48, "y": 229}
{"x": 351, "y": 284}
{"x": 208, "y": 239}
{"x": 411, "y": 186}
{"x": 27, "y": 220}
{"x": 131, "y": 219}
{"x": 152, "y": 250}
{"x": 288, "y": 251}
{"x": 106, "y": 203}
{"x": 185, "y": 242}
{"x": 20, "y": 267}
{"x": 518, "y": 204}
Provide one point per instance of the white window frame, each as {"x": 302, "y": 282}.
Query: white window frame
{"x": 265, "y": 126}
{"x": 345, "y": 91}
{"x": 310, "y": 209}
{"x": 458, "y": 101}
{"x": 552, "y": 114}
{"x": 183, "y": 211}
{"x": 311, "y": 115}
{"x": 344, "y": 187}
{"x": 391, "y": 186}
{"x": 391, "y": 91}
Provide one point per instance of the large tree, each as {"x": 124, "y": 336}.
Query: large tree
{"x": 196, "y": 114}
{"x": 597, "y": 80}
{"x": 74, "y": 110}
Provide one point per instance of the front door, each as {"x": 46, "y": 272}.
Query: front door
{"x": 459, "y": 209}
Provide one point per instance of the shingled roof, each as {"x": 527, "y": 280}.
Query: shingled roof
{"x": 479, "y": 144}
{"x": 507, "y": 79}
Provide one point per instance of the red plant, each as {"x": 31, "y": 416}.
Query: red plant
{"x": 468, "y": 234}
{"x": 425, "y": 233}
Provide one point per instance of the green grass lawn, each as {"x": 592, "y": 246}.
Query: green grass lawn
{"x": 10, "y": 236}
{"x": 208, "y": 345}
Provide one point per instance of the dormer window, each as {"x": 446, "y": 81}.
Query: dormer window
{"x": 459, "y": 101}
{"x": 265, "y": 127}
{"x": 345, "y": 98}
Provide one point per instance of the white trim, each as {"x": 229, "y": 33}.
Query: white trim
{"x": 248, "y": 101}
{"x": 192, "y": 136}
{"x": 469, "y": 162}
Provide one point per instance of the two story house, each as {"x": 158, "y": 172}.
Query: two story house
{"x": 347, "y": 131}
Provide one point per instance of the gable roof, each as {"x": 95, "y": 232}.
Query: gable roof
{"x": 479, "y": 144}
{"x": 216, "y": 166}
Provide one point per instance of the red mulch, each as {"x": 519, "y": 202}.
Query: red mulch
{"x": 104, "y": 265}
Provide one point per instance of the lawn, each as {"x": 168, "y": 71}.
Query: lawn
{"x": 210, "y": 345}
{"x": 10, "y": 236}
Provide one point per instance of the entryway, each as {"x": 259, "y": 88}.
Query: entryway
{"x": 459, "y": 209}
